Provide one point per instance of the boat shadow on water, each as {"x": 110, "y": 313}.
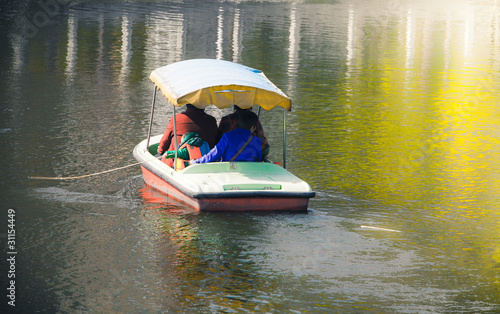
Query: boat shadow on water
{"x": 159, "y": 202}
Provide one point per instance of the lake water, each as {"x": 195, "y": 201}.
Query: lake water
{"x": 395, "y": 125}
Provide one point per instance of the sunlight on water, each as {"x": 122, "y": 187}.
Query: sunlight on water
{"x": 416, "y": 125}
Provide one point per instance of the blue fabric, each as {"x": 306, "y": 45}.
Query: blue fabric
{"x": 204, "y": 149}
{"x": 230, "y": 144}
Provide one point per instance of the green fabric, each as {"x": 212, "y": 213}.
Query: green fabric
{"x": 191, "y": 138}
{"x": 194, "y": 140}
{"x": 181, "y": 153}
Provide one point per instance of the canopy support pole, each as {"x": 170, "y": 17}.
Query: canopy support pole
{"x": 175, "y": 140}
{"x": 151, "y": 118}
{"x": 284, "y": 138}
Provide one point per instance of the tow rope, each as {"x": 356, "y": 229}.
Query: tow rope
{"x": 91, "y": 174}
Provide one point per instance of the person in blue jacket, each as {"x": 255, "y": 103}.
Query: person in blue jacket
{"x": 237, "y": 145}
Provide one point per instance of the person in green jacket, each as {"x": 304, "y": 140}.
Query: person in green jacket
{"x": 185, "y": 149}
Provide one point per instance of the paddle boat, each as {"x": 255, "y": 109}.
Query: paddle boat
{"x": 221, "y": 186}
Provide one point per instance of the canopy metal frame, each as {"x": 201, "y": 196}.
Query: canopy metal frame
{"x": 175, "y": 129}
{"x": 205, "y": 82}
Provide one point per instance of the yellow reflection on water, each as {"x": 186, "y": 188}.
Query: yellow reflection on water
{"x": 418, "y": 126}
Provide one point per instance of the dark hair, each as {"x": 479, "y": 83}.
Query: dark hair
{"x": 248, "y": 119}
{"x": 237, "y": 108}
{"x": 192, "y": 106}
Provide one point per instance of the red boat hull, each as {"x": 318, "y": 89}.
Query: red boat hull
{"x": 255, "y": 203}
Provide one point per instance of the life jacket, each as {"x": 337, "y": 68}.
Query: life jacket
{"x": 194, "y": 153}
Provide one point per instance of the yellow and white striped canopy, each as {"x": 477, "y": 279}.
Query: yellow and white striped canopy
{"x": 204, "y": 82}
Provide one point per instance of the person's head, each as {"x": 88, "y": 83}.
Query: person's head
{"x": 189, "y": 106}
{"x": 188, "y": 136}
{"x": 248, "y": 120}
{"x": 236, "y": 108}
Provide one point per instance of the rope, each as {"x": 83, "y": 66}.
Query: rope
{"x": 90, "y": 175}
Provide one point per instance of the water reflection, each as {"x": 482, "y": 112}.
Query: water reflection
{"x": 72, "y": 47}
{"x": 236, "y": 44}
{"x": 293, "y": 51}
{"x": 422, "y": 121}
{"x": 206, "y": 266}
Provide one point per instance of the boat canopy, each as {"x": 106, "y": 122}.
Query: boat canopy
{"x": 204, "y": 82}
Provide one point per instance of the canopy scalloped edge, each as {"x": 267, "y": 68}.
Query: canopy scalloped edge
{"x": 204, "y": 82}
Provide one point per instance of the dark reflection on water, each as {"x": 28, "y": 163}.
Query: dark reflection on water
{"x": 394, "y": 125}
